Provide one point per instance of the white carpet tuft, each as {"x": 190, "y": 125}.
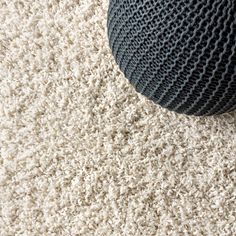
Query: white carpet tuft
{"x": 82, "y": 154}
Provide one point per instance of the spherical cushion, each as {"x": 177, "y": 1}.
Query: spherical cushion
{"x": 181, "y": 54}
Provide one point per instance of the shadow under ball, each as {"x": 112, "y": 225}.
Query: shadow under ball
{"x": 181, "y": 54}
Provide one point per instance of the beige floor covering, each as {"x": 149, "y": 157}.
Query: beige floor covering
{"x": 82, "y": 154}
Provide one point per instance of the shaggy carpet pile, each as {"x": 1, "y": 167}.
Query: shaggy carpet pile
{"x": 81, "y": 153}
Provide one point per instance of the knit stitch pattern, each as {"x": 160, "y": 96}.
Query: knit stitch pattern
{"x": 181, "y": 54}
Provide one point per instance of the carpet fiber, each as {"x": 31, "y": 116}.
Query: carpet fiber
{"x": 81, "y": 153}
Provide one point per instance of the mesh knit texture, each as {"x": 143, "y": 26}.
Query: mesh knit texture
{"x": 180, "y": 54}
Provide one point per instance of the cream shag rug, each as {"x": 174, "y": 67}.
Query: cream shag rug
{"x": 83, "y": 154}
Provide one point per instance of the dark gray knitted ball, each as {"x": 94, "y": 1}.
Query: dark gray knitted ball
{"x": 181, "y": 54}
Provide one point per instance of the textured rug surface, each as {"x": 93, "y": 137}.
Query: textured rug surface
{"x": 82, "y": 154}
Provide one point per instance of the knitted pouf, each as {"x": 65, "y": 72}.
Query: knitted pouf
{"x": 181, "y": 54}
